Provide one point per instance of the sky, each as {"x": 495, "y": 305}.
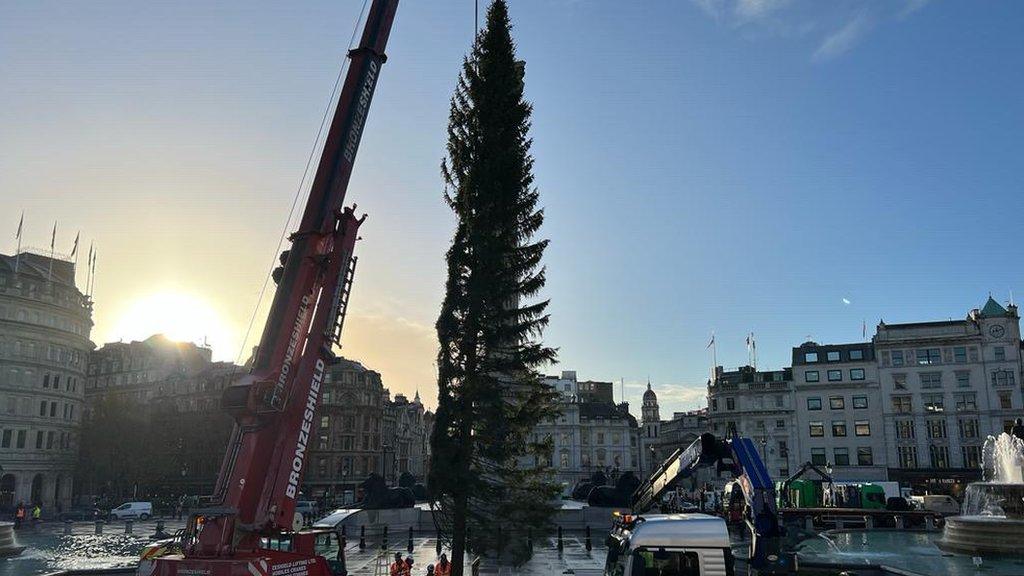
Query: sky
{"x": 791, "y": 168}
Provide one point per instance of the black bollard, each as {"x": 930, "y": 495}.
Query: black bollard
{"x": 589, "y": 547}
{"x": 497, "y": 544}
{"x": 99, "y": 526}
{"x": 128, "y": 526}
{"x": 529, "y": 539}
{"x": 409, "y": 547}
{"x": 560, "y": 545}
{"x": 438, "y": 547}
{"x": 362, "y": 537}
{"x": 384, "y": 542}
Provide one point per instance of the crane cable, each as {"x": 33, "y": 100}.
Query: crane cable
{"x": 317, "y": 145}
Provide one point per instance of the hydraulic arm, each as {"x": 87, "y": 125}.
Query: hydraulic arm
{"x": 739, "y": 457}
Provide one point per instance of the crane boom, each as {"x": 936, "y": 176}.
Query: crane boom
{"x": 275, "y": 404}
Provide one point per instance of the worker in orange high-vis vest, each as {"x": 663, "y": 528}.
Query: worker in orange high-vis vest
{"x": 19, "y": 515}
{"x": 443, "y": 566}
{"x": 399, "y": 567}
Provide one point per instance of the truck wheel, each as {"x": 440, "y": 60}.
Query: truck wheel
{"x": 144, "y": 517}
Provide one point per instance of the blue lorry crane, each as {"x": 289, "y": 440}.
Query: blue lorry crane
{"x": 739, "y": 457}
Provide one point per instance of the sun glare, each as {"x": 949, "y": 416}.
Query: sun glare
{"x": 179, "y": 316}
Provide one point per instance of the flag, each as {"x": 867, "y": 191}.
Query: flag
{"x": 75, "y": 249}
{"x": 864, "y": 329}
{"x": 53, "y": 237}
{"x": 711, "y": 342}
{"x": 20, "y": 224}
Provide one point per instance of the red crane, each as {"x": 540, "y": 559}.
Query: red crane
{"x": 250, "y": 527}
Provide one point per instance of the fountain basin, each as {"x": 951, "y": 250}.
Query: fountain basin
{"x": 983, "y": 535}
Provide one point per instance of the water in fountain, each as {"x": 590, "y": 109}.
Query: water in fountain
{"x": 992, "y": 514}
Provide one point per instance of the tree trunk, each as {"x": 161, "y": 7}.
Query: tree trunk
{"x": 459, "y": 535}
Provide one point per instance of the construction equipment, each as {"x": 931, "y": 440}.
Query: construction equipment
{"x": 249, "y": 526}
{"x": 740, "y": 458}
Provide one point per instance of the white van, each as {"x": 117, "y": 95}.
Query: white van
{"x": 683, "y": 544}
{"x": 140, "y": 510}
{"x": 939, "y": 503}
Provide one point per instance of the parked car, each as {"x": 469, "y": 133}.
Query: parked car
{"x": 140, "y": 510}
{"x": 79, "y": 513}
{"x": 307, "y": 508}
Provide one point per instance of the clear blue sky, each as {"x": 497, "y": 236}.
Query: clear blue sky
{"x": 726, "y": 165}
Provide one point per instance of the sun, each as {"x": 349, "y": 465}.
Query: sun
{"x": 179, "y": 316}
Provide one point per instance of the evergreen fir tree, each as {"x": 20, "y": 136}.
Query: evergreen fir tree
{"x": 489, "y": 477}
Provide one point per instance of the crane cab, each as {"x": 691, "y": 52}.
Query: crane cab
{"x": 669, "y": 545}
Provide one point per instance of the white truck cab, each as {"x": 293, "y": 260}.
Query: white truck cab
{"x": 669, "y": 545}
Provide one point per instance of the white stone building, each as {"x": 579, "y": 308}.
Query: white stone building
{"x": 838, "y": 410}
{"x": 945, "y": 387}
{"x": 45, "y": 322}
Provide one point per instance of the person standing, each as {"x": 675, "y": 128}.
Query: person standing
{"x": 443, "y": 566}
{"x": 37, "y": 513}
{"x": 19, "y": 515}
{"x": 399, "y": 567}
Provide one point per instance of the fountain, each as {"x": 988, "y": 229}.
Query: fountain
{"x": 991, "y": 520}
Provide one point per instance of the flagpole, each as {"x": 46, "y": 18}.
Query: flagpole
{"x": 53, "y": 240}
{"x": 17, "y": 254}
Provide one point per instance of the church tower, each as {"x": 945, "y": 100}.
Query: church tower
{"x": 650, "y": 418}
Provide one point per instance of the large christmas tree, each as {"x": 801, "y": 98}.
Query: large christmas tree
{"x": 489, "y": 474}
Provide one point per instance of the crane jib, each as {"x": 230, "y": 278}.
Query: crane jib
{"x": 362, "y": 108}
{"x": 279, "y": 393}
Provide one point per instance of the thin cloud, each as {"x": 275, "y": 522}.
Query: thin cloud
{"x": 849, "y": 22}
{"x": 840, "y": 41}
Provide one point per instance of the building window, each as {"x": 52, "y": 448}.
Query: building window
{"x": 968, "y": 428}
{"x": 937, "y": 428}
{"x": 325, "y": 422}
{"x": 838, "y": 428}
{"x": 832, "y": 356}
{"x": 817, "y": 429}
{"x": 714, "y": 404}
{"x": 901, "y": 404}
{"x": 928, "y": 356}
{"x": 856, "y": 374}
{"x": 818, "y": 456}
{"x": 323, "y": 442}
{"x": 841, "y": 456}
{"x": 811, "y": 376}
{"x": 783, "y": 449}
{"x": 965, "y": 401}
{"x": 811, "y": 357}
{"x": 42, "y": 408}
{"x": 933, "y": 402}
{"x": 904, "y": 429}
{"x": 860, "y": 402}
{"x": 814, "y": 403}
{"x": 836, "y": 402}
{"x": 778, "y": 401}
{"x": 564, "y": 458}
{"x": 856, "y": 354}
{"x": 21, "y": 439}
{"x": 864, "y": 456}
{"x": 963, "y": 379}
{"x": 1000, "y": 353}
{"x": 835, "y": 375}
{"x": 939, "y": 456}
{"x": 1005, "y": 400}
{"x": 862, "y": 428}
{"x": 907, "y": 456}
{"x": 730, "y": 403}
{"x": 39, "y": 439}
{"x": 971, "y": 456}
{"x": 897, "y": 357}
{"x": 49, "y": 439}
{"x": 960, "y": 354}
{"x": 780, "y": 423}
{"x": 6, "y": 442}
{"x": 899, "y": 381}
{"x": 931, "y": 380}
{"x": 1003, "y": 378}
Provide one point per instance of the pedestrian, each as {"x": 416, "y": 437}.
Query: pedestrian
{"x": 19, "y": 515}
{"x": 398, "y": 567}
{"x": 37, "y": 512}
{"x": 430, "y": 570}
{"x": 443, "y": 566}
{"x": 1018, "y": 429}
{"x": 408, "y": 565}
